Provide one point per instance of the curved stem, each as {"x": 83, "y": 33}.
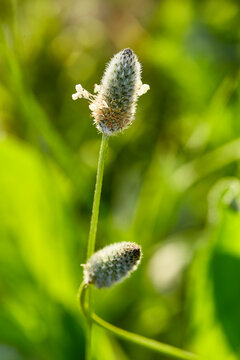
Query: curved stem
{"x": 82, "y": 301}
{"x": 154, "y": 345}
{"x": 93, "y": 230}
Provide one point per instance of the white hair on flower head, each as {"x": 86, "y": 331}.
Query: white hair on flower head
{"x": 114, "y": 105}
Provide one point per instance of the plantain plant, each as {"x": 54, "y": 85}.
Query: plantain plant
{"x": 113, "y": 108}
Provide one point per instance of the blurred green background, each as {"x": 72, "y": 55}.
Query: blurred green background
{"x": 170, "y": 184}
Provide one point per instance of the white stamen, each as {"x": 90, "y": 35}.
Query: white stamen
{"x": 143, "y": 89}
{"x": 96, "y": 88}
{"x": 79, "y": 88}
{"x": 85, "y": 94}
{"x": 92, "y": 107}
{"x": 75, "y": 96}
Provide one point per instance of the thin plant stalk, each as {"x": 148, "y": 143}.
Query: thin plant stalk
{"x": 93, "y": 232}
{"x": 153, "y": 345}
{"x": 97, "y": 196}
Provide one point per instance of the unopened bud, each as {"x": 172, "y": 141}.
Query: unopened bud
{"x": 112, "y": 264}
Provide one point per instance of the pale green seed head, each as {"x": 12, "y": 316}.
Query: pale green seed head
{"x": 112, "y": 264}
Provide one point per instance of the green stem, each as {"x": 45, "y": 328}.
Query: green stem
{"x": 154, "y": 345}
{"x": 93, "y": 231}
{"x": 97, "y": 196}
{"x": 89, "y": 340}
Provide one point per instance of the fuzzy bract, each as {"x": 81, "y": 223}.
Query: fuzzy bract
{"x": 112, "y": 264}
{"x": 114, "y": 106}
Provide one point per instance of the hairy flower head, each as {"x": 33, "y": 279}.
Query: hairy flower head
{"x": 112, "y": 264}
{"x": 114, "y": 105}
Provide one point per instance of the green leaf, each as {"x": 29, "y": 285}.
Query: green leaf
{"x": 215, "y": 289}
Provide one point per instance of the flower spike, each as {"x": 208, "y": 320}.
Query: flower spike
{"x": 114, "y": 105}
{"x": 112, "y": 264}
